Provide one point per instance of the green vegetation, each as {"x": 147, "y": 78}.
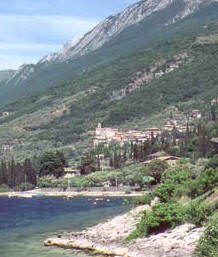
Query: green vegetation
{"x": 48, "y": 124}
{"x": 208, "y": 244}
{"x": 182, "y": 198}
{"x": 198, "y": 212}
{"x": 4, "y": 188}
{"x": 161, "y": 217}
{"x": 156, "y": 168}
{"x": 88, "y": 94}
{"x": 19, "y": 176}
{"x": 52, "y": 163}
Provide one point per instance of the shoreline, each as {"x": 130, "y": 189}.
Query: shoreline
{"x": 108, "y": 239}
{"x": 68, "y": 194}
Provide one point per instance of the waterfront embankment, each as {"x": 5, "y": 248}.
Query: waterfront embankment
{"x": 109, "y": 239}
{"x": 72, "y": 193}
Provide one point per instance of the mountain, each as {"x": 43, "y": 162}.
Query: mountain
{"x": 6, "y": 74}
{"x": 163, "y": 65}
{"x": 114, "y": 25}
{"x": 107, "y": 41}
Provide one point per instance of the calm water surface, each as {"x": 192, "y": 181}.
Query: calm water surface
{"x": 25, "y": 223}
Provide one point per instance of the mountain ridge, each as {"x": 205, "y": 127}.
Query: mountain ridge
{"x": 134, "y": 89}
{"x": 105, "y": 32}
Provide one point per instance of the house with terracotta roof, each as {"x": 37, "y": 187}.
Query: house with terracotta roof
{"x": 171, "y": 160}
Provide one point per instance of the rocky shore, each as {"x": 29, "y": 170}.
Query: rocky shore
{"x": 109, "y": 239}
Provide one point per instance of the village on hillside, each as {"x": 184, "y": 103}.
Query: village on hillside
{"x": 104, "y": 136}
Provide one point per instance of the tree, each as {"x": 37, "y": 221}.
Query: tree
{"x": 156, "y": 168}
{"x": 213, "y": 113}
{"x": 148, "y": 180}
{"x": 29, "y": 172}
{"x": 52, "y": 163}
{"x": 117, "y": 159}
{"x": 87, "y": 165}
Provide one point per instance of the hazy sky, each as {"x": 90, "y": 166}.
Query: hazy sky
{"x": 30, "y": 29}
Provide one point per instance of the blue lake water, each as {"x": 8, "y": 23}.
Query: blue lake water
{"x": 26, "y": 222}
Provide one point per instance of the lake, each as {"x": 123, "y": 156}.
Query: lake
{"x": 26, "y": 222}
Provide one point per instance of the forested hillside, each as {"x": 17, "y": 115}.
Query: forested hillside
{"x": 135, "y": 88}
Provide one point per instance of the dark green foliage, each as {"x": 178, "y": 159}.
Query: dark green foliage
{"x": 173, "y": 183}
{"x": 88, "y": 165}
{"x": 24, "y": 187}
{"x": 162, "y": 217}
{"x": 13, "y": 174}
{"x": 176, "y": 175}
{"x": 4, "y": 188}
{"x": 207, "y": 180}
{"x": 198, "y": 212}
{"x": 208, "y": 244}
{"x": 141, "y": 200}
{"x": 213, "y": 163}
{"x": 156, "y": 168}
{"x": 165, "y": 191}
{"x": 52, "y": 163}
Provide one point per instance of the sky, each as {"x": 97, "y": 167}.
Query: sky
{"x": 31, "y": 29}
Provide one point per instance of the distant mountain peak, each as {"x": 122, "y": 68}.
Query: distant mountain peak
{"x": 107, "y": 30}
{"x": 115, "y": 24}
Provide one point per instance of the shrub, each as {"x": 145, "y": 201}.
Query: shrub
{"x": 4, "y": 188}
{"x": 48, "y": 181}
{"x": 128, "y": 191}
{"x": 24, "y": 187}
{"x": 178, "y": 175}
{"x": 204, "y": 183}
{"x": 213, "y": 162}
{"x": 208, "y": 243}
{"x": 143, "y": 199}
{"x": 165, "y": 191}
{"x": 200, "y": 166}
{"x": 198, "y": 213}
{"x": 161, "y": 217}
{"x": 173, "y": 184}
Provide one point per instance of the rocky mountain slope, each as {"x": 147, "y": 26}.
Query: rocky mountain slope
{"x": 6, "y": 74}
{"x": 113, "y": 25}
{"x": 104, "y": 43}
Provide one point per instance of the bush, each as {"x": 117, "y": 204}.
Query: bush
{"x": 213, "y": 162}
{"x": 204, "y": 183}
{"x": 161, "y": 217}
{"x": 24, "y": 187}
{"x": 48, "y": 181}
{"x": 178, "y": 175}
{"x": 4, "y": 188}
{"x": 173, "y": 184}
{"x": 165, "y": 191}
{"x": 208, "y": 243}
{"x": 198, "y": 213}
{"x": 128, "y": 191}
{"x": 143, "y": 199}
